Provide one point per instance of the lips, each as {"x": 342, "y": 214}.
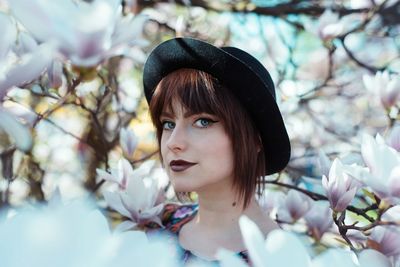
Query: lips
{"x": 180, "y": 165}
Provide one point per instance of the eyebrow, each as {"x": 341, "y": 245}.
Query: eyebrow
{"x": 186, "y": 115}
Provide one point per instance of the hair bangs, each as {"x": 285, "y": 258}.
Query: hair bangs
{"x": 195, "y": 90}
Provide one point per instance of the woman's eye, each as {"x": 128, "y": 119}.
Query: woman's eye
{"x": 203, "y": 122}
{"x": 168, "y": 125}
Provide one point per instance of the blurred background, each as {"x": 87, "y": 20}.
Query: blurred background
{"x": 71, "y": 82}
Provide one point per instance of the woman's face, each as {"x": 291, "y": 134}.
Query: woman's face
{"x": 196, "y": 150}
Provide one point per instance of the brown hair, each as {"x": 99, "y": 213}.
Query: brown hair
{"x": 200, "y": 92}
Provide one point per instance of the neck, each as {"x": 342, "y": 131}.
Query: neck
{"x": 220, "y": 209}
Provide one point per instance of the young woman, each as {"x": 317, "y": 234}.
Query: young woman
{"x": 220, "y": 132}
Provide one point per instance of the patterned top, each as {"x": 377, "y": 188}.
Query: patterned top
{"x": 173, "y": 218}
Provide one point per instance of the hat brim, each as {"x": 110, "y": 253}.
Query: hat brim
{"x": 237, "y": 76}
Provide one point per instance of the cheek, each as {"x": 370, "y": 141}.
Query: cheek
{"x": 163, "y": 147}
{"x": 220, "y": 153}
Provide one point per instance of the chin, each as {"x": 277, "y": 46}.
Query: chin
{"x": 182, "y": 184}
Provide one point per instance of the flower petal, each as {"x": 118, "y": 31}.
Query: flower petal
{"x": 124, "y": 226}
{"x": 31, "y": 67}
{"x": 285, "y": 249}
{"x": 114, "y": 201}
{"x": 373, "y": 258}
{"x": 16, "y": 130}
{"x": 333, "y": 258}
{"x": 229, "y": 259}
{"x": 345, "y": 200}
{"x": 254, "y": 241}
{"x": 8, "y": 33}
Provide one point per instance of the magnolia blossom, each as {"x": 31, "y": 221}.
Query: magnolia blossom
{"x": 385, "y": 239}
{"x": 18, "y": 69}
{"x": 393, "y": 139}
{"x": 293, "y": 207}
{"x": 136, "y": 195}
{"x": 327, "y": 26}
{"x": 386, "y": 87}
{"x": 324, "y": 163}
{"x": 15, "y": 71}
{"x": 270, "y": 200}
{"x": 384, "y": 168}
{"x": 319, "y": 219}
{"x": 16, "y": 130}
{"x": 283, "y": 248}
{"x": 128, "y": 141}
{"x": 75, "y": 234}
{"x": 8, "y": 34}
{"x": 96, "y": 32}
{"x": 340, "y": 187}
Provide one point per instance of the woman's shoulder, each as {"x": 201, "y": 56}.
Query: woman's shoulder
{"x": 175, "y": 215}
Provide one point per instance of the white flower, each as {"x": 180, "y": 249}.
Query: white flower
{"x": 394, "y": 138}
{"x": 339, "y": 187}
{"x": 324, "y": 163}
{"x": 270, "y": 200}
{"x": 279, "y": 249}
{"x": 327, "y": 26}
{"x": 16, "y": 70}
{"x": 384, "y": 168}
{"x": 333, "y": 258}
{"x": 16, "y": 130}
{"x": 137, "y": 194}
{"x": 319, "y": 219}
{"x": 75, "y": 234}
{"x": 293, "y": 207}
{"x": 86, "y": 33}
{"x": 385, "y": 87}
{"x": 385, "y": 239}
{"x": 282, "y": 248}
{"x": 8, "y": 34}
{"x": 373, "y": 258}
{"x": 128, "y": 141}
{"x": 25, "y": 44}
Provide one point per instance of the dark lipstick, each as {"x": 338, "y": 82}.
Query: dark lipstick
{"x": 180, "y": 165}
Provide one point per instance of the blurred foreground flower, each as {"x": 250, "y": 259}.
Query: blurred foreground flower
{"x": 286, "y": 249}
{"x": 385, "y": 239}
{"x": 385, "y": 87}
{"x": 136, "y": 197}
{"x": 74, "y": 235}
{"x": 86, "y": 33}
{"x": 340, "y": 187}
{"x": 15, "y": 71}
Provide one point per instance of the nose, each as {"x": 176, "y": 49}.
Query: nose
{"x": 177, "y": 140}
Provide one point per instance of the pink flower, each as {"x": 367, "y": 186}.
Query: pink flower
{"x": 384, "y": 168}
{"x": 136, "y": 197}
{"x": 293, "y": 207}
{"x": 385, "y": 239}
{"x": 339, "y": 187}
{"x": 384, "y": 86}
{"x": 319, "y": 219}
{"x": 394, "y": 138}
{"x": 97, "y": 31}
{"x": 128, "y": 141}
